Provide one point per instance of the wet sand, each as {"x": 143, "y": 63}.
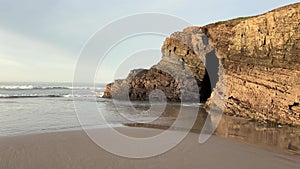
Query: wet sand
{"x": 282, "y": 138}
{"x": 74, "y": 150}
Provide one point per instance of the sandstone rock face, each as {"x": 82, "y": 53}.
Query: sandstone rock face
{"x": 139, "y": 84}
{"x": 261, "y": 59}
{"x": 181, "y": 72}
{"x": 260, "y": 63}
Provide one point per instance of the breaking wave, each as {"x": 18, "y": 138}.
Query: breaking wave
{"x": 31, "y": 87}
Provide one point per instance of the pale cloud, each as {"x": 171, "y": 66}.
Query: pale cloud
{"x": 169, "y": 6}
{"x": 5, "y": 61}
{"x": 18, "y": 45}
{"x": 41, "y": 40}
{"x": 20, "y": 54}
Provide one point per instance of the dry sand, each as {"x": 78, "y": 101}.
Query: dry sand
{"x": 74, "y": 150}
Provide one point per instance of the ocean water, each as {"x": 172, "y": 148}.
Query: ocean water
{"x": 44, "y": 107}
{"x": 27, "y": 108}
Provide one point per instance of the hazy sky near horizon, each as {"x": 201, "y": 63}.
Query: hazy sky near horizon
{"x": 40, "y": 41}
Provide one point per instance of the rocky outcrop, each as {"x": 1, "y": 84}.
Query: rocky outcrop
{"x": 140, "y": 83}
{"x": 260, "y": 64}
{"x": 180, "y": 75}
{"x": 261, "y": 59}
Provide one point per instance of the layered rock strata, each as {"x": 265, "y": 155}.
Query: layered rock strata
{"x": 261, "y": 59}
{"x": 180, "y": 75}
{"x": 260, "y": 64}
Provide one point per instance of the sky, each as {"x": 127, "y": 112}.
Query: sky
{"x": 41, "y": 41}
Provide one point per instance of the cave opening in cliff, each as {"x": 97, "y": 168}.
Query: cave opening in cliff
{"x": 142, "y": 83}
{"x": 211, "y": 76}
{"x": 205, "y": 88}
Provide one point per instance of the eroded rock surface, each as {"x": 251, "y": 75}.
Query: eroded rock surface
{"x": 262, "y": 64}
{"x": 260, "y": 57}
{"x": 181, "y": 70}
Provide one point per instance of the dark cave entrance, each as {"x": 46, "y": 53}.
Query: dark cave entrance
{"x": 211, "y": 76}
{"x": 142, "y": 83}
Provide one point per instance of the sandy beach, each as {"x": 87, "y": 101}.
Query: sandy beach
{"x": 149, "y": 85}
{"x": 74, "y": 150}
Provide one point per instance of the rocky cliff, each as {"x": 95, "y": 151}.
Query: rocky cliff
{"x": 259, "y": 66}
{"x": 261, "y": 59}
{"x": 181, "y": 71}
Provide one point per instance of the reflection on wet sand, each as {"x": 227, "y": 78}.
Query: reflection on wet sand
{"x": 283, "y": 138}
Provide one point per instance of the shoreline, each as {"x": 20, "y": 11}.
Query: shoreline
{"x": 282, "y": 139}
{"x": 73, "y": 149}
